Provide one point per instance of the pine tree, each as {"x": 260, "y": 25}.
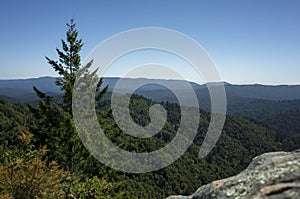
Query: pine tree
{"x": 57, "y": 129}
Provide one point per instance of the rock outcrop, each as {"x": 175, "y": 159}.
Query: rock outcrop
{"x": 273, "y": 175}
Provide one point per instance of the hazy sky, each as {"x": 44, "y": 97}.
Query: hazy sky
{"x": 249, "y": 41}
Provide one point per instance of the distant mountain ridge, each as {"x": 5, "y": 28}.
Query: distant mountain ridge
{"x": 22, "y": 89}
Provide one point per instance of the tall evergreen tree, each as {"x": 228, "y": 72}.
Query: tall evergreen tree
{"x": 68, "y": 63}
{"x": 57, "y": 129}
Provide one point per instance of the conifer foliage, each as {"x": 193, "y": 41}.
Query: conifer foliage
{"x": 56, "y": 127}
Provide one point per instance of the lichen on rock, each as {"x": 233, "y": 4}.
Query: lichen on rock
{"x": 270, "y": 175}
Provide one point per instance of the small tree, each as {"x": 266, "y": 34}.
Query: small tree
{"x": 29, "y": 175}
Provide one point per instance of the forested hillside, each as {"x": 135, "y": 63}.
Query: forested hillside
{"x": 241, "y": 140}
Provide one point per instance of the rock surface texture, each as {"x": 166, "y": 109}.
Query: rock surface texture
{"x": 273, "y": 175}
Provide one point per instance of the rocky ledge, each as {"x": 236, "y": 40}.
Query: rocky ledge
{"x": 273, "y": 175}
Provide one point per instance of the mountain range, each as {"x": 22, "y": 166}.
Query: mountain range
{"x": 22, "y": 89}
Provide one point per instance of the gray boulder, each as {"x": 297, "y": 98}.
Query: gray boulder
{"x": 273, "y": 175}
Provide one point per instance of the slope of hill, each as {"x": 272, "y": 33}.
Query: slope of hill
{"x": 288, "y": 121}
{"x": 260, "y": 108}
{"x": 241, "y": 140}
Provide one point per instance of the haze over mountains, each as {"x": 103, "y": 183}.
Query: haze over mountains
{"x": 21, "y": 89}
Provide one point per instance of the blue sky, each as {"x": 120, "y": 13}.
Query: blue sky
{"x": 255, "y": 41}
